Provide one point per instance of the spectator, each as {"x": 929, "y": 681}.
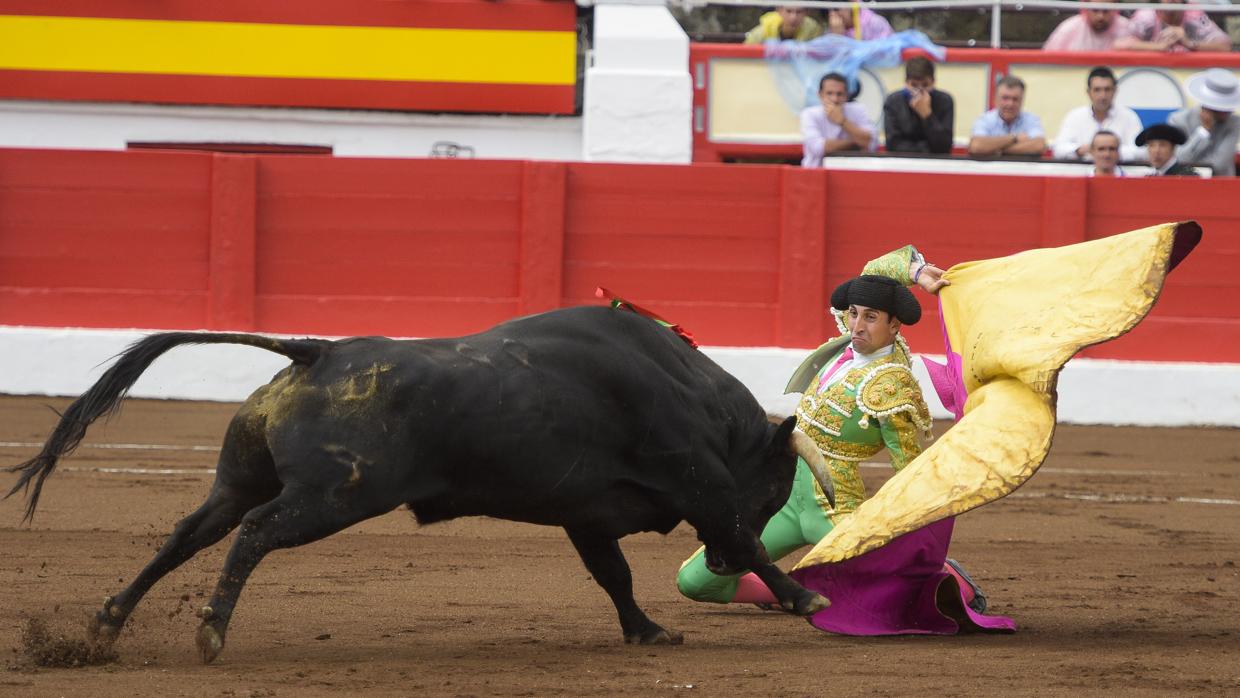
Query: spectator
{"x": 836, "y": 125}
{"x": 919, "y": 118}
{"x": 1161, "y": 140}
{"x": 859, "y": 23}
{"x": 1104, "y": 149}
{"x": 1080, "y": 124}
{"x": 1173, "y": 30}
{"x": 1006, "y": 129}
{"x": 1090, "y": 30}
{"x": 1212, "y": 128}
{"x": 785, "y": 23}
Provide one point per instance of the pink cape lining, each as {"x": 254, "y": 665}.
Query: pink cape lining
{"x": 946, "y": 378}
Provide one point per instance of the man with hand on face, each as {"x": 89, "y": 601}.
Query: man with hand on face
{"x": 1079, "y": 125}
{"x": 1160, "y": 140}
{"x": 859, "y": 23}
{"x": 919, "y": 118}
{"x": 1007, "y": 129}
{"x": 1104, "y": 149}
{"x": 1212, "y": 128}
{"x": 836, "y": 125}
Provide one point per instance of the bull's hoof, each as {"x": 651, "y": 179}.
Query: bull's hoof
{"x": 100, "y": 633}
{"x": 806, "y": 605}
{"x": 655, "y": 636}
{"x": 210, "y": 643}
{"x": 103, "y": 629}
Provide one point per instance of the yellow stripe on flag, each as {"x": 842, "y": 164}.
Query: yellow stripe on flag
{"x": 236, "y": 49}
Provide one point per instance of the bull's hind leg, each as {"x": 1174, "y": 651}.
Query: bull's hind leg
{"x": 604, "y": 560}
{"x": 245, "y": 478}
{"x": 212, "y": 521}
{"x": 299, "y": 515}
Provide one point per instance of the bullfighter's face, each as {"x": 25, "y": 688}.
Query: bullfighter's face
{"x": 871, "y": 329}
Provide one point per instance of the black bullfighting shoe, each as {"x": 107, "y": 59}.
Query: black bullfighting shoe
{"x": 978, "y": 600}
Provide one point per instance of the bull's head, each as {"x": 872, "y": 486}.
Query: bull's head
{"x": 765, "y": 489}
{"x": 785, "y": 444}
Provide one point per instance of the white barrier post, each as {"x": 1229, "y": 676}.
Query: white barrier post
{"x": 638, "y": 92}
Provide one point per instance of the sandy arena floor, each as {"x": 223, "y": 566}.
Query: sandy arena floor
{"x": 1118, "y": 562}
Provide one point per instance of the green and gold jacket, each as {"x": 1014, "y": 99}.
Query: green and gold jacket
{"x": 876, "y": 406}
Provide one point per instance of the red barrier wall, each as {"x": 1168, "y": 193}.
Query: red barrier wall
{"x": 740, "y": 255}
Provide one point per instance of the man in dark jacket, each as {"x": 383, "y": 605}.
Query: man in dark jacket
{"x": 919, "y": 118}
{"x": 1160, "y": 141}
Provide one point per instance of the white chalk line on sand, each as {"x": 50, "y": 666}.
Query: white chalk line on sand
{"x": 119, "y": 447}
{"x": 1123, "y": 498}
{"x": 1078, "y": 496}
{"x": 140, "y": 471}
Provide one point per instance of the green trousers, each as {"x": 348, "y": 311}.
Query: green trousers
{"x": 801, "y": 521}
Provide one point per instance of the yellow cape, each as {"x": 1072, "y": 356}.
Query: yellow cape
{"x": 1015, "y": 321}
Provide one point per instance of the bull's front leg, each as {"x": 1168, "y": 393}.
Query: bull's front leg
{"x": 734, "y": 554}
{"x": 792, "y": 597}
{"x": 606, "y": 563}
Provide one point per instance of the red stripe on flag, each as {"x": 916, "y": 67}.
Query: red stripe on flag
{"x": 288, "y": 92}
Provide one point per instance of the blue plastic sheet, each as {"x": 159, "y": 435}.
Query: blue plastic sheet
{"x": 798, "y": 66}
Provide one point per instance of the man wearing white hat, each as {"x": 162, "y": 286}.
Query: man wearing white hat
{"x": 1212, "y": 127}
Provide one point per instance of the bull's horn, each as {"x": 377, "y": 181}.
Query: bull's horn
{"x": 808, "y": 451}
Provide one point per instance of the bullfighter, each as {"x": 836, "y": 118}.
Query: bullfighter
{"x": 859, "y": 396}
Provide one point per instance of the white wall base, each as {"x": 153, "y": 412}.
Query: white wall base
{"x": 99, "y": 126}
{"x": 40, "y": 361}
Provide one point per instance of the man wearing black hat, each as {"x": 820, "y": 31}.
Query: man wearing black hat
{"x": 1160, "y": 141}
{"x": 860, "y": 396}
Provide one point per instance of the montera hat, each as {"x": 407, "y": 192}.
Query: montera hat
{"x": 1161, "y": 132}
{"x": 880, "y": 293}
{"x": 1216, "y": 89}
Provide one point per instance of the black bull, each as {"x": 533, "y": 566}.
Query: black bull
{"x": 597, "y": 420}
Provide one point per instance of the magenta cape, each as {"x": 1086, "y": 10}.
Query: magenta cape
{"x": 897, "y": 589}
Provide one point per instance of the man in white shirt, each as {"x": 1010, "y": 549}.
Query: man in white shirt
{"x": 836, "y": 124}
{"x": 1079, "y": 125}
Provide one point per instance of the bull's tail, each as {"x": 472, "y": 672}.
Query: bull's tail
{"x": 104, "y": 397}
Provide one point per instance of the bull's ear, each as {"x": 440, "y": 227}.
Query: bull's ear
{"x": 782, "y": 436}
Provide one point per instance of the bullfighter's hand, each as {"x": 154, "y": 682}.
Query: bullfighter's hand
{"x": 931, "y": 278}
